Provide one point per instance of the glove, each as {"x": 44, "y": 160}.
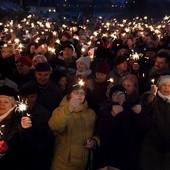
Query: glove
{"x": 116, "y": 109}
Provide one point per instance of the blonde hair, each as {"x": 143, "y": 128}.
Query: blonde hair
{"x": 11, "y": 98}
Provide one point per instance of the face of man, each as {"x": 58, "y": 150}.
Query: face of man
{"x": 42, "y": 77}
{"x": 67, "y": 53}
{"x": 160, "y": 64}
{"x": 122, "y": 67}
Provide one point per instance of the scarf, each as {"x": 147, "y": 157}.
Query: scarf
{"x": 165, "y": 98}
{"x": 6, "y": 114}
{"x": 84, "y": 73}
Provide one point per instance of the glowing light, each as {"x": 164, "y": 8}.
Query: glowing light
{"x": 111, "y": 80}
{"x": 21, "y": 106}
{"x": 153, "y": 81}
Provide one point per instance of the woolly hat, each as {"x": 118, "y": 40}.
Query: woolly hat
{"x": 163, "y": 79}
{"x": 42, "y": 67}
{"x": 116, "y": 88}
{"x": 85, "y": 60}
{"x": 119, "y": 59}
{"x": 25, "y": 60}
{"x": 103, "y": 67}
{"x": 28, "y": 89}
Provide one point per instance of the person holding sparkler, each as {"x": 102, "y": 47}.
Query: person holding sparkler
{"x": 12, "y": 125}
{"x": 73, "y": 122}
{"x": 156, "y": 145}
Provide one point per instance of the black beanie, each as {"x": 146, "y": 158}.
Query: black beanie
{"x": 117, "y": 88}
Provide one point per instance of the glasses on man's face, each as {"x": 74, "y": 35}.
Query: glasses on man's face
{"x": 81, "y": 93}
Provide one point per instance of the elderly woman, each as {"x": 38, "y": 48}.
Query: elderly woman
{"x": 156, "y": 145}
{"x": 73, "y": 122}
{"x": 11, "y": 125}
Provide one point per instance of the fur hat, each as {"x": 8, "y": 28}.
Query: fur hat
{"x": 103, "y": 67}
{"x": 8, "y": 91}
{"x": 116, "y": 88}
{"x": 163, "y": 79}
{"x": 25, "y": 60}
{"x": 85, "y": 60}
{"x": 28, "y": 89}
{"x": 119, "y": 59}
{"x": 42, "y": 67}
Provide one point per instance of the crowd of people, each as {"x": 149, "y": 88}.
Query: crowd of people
{"x": 97, "y": 94}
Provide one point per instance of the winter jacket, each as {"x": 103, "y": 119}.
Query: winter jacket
{"x": 73, "y": 130}
{"x": 156, "y": 145}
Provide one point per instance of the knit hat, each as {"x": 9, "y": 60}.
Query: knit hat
{"x": 42, "y": 67}
{"x": 163, "y": 79}
{"x": 103, "y": 67}
{"x": 28, "y": 89}
{"x": 85, "y": 60}
{"x": 25, "y": 60}
{"x": 119, "y": 59}
{"x": 116, "y": 88}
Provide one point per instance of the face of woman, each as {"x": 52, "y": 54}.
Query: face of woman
{"x": 118, "y": 97}
{"x": 165, "y": 88}
{"x": 100, "y": 77}
{"x": 128, "y": 85}
{"x": 5, "y": 104}
{"x": 81, "y": 66}
{"x": 79, "y": 95}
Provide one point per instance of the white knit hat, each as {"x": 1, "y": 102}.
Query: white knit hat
{"x": 86, "y": 60}
{"x": 163, "y": 79}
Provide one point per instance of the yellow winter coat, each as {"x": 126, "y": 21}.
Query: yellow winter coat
{"x": 73, "y": 130}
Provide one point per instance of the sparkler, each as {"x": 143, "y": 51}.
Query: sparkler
{"x": 21, "y": 106}
{"x": 1, "y": 133}
{"x": 80, "y": 83}
{"x": 111, "y": 80}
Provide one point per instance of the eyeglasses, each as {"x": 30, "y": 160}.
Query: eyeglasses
{"x": 79, "y": 93}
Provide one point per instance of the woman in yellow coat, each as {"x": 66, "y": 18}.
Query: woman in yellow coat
{"x": 73, "y": 122}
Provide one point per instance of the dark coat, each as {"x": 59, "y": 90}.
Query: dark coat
{"x": 37, "y": 142}
{"x": 119, "y": 140}
{"x": 49, "y": 96}
{"x": 156, "y": 145}
{"x": 11, "y": 134}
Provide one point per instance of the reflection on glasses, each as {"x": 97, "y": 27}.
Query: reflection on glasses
{"x": 79, "y": 93}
